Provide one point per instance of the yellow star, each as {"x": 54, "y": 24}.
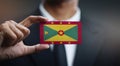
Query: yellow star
{"x": 46, "y": 33}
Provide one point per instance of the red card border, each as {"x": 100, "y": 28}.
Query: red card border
{"x": 58, "y": 23}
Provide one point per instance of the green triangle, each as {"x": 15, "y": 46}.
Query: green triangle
{"x": 73, "y": 33}
{"x": 50, "y": 32}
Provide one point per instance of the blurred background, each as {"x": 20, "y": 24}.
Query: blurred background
{"x": 19, "y": 9}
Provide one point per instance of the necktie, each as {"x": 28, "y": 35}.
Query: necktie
{"x": 60, "y": 55}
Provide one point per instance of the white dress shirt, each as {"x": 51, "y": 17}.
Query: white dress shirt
{"x": 69, "y": 48}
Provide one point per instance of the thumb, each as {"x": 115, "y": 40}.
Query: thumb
{"x": 35, "y": 48}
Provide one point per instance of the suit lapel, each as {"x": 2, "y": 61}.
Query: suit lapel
{"x": 44, "y": 58}
{"x": 91, "y": 43}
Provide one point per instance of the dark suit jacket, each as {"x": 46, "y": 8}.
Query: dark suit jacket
{"x": 96, "y": 48}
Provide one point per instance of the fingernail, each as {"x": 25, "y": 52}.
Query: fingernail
{"x": 45, "y": 45}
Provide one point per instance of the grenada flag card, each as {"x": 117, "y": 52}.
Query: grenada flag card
{"x": 61, "y": 32}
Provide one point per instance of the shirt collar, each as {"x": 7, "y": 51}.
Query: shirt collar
{"x": 75, "y": 17}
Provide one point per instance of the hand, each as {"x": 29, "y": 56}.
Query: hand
{"x": 12, "y": 35}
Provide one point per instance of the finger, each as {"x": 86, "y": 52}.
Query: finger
{"x": 1, "y": 27}
{"x": 1, "y": 36}
{"x": 9, "y": 36}
{"x": 24, "y": 30}
{"x": 33, "y": 19}
{"x": 36, "y": 48}
{"x": 17, "y": 31}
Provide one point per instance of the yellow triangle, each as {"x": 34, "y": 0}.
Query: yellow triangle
{"x": 61, "y": 38}
{"x": 60, "y": 27}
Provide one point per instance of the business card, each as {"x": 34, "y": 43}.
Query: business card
{"x": 61, "y": 32}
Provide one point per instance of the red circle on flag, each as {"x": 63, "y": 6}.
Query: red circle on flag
{"x": 61, "y": 32}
